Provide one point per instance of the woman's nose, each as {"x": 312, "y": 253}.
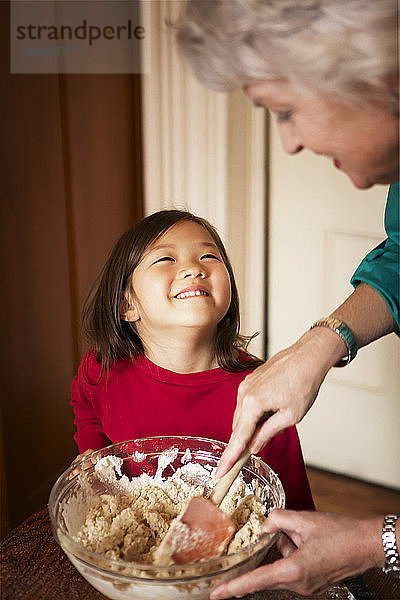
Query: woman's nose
{"x": 290, "y": 141}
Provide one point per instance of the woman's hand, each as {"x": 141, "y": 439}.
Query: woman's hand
{"x": 327, "y": 548}
{"x": 84, "y": 465}
{"x": 287, "y": 385}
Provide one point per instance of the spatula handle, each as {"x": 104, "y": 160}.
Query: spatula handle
{"x": 223, "y": 485}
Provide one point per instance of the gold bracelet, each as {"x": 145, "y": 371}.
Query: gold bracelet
{"x": 345, "y": 334}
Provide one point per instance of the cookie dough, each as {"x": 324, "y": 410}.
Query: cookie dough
{"x": 129, "y": 526}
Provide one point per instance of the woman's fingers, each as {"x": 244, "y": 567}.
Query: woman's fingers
{"x": 277, "y": 422}
{"x": 277, "y": 575}
{"x": 282, "y": 574}
{"x": 287, "y": 385}
{"x": 248, "y": 433}
{"x": 231, "y": 453}
{"x": 330, "y": 547}
{"x": 293, "y": 523}
{"x": 245, "y": 422}
{"x": 242, "y": 436}
{"x": 285, "y": 545}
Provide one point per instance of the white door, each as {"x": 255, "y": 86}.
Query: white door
{"x": 320, "y": 227}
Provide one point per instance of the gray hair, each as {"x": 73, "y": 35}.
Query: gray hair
{"x": 343, "y": 48}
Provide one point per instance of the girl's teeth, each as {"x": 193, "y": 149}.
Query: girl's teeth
{"x": 188, "y": 294}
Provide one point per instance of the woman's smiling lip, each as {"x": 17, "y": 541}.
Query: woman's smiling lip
{"x": 336, "y": 162}
{"x": 191, "y": 292}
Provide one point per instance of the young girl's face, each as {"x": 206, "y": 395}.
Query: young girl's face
{"x": 181, "y": 281}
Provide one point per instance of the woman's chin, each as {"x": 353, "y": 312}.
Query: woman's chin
{"x": 382, "y": 177}
{"x": 361, "y": 183}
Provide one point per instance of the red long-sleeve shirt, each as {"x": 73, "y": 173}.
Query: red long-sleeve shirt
{"x": 139, "y": 399}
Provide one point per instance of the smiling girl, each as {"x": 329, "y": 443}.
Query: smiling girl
{"x": 167, "y": 357}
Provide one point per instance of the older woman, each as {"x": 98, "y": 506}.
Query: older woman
{"x": 328, "y": 70}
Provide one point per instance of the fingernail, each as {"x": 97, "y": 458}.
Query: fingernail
{"x": 219, "y": 469}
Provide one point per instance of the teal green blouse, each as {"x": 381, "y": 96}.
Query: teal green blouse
{"x": 381, "y": 267}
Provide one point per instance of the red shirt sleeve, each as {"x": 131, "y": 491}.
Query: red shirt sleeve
{"x": 89, "y": 429}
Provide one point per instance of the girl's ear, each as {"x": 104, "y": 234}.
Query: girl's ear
{"x": 127, "y": 309}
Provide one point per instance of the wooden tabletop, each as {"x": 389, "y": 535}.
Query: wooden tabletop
{"x": 33, "y": 567}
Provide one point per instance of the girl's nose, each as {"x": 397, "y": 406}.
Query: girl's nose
{"x": 194, "y": 272}
{"x": 290, "y": 141}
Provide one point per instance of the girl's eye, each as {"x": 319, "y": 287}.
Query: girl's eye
{"x": 211, "y": 256}
{"x": 284, "y": 116}
{"x": 163, "y": 259}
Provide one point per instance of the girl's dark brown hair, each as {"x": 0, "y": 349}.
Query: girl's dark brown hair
{"x": 114, "y": 338}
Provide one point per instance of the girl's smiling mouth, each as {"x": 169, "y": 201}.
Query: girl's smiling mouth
{"x": 191, "y": 293}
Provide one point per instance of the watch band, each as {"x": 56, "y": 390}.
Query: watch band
{"x": 346, "y": 335}
{"x": 392, "y": 560}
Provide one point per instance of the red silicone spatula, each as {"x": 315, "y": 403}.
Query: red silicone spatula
{"x": 203, "y": 530}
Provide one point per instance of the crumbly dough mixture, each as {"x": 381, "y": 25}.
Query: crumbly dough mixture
{"x": 130, "y": 526}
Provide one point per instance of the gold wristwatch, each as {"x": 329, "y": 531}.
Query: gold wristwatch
{"x": 346, "y": 335}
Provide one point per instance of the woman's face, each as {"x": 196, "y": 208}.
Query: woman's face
{"x": 362, "y": 141}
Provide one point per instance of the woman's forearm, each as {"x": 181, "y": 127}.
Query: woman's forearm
{"x": 366, "y": 313}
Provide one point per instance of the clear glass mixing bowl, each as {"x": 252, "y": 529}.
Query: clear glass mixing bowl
{"x": 120, "y": 580}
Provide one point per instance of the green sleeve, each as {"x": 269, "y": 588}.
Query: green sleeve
{"x": 381, "y": 267}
